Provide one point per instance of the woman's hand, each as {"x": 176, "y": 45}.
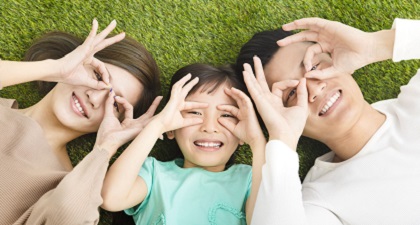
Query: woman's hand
{"x": 112, "y": 133}
{"x": 248, "y": 128}
{"x": 76, "y": 67}
{"x": 283, "y": 123}
{"x": 350, "y": 48}
{"x": 170, "y": 117}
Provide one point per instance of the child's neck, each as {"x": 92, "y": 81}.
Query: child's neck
{"x": 217, "y": 168}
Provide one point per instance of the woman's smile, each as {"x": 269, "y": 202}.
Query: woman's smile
{"x": 78, "y": 106}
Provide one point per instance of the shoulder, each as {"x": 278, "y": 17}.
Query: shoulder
{"x": 9, "y": 103}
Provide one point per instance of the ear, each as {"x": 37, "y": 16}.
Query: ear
{"x": 170, "y": 134}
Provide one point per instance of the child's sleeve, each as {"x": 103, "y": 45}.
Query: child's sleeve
{"x": 147, "y": 173}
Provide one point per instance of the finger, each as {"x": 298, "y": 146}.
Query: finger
{"x": 194, "y": 105}
{"x": 306, "y": 23}
{"x": 252, "y": 85}
{"x": 259, "y": 74}
{"x": 248, "y": 69}
{"x": 302, "y": 94}
{"x": 310, "y": 53}
{"x": 100, "y": 67}
{"x": 107, "y": 42}
{"x": 241, "y": 98}
{"x": 192, "y": 121}
{"x": 299, "y": 37}
{"x": 228, "y": 124}
{"x": 177, "y": 87}
{"x": 109, "y": 105}
{"x": 187, "y": 88}
{"x": 128, "y": 108}
{"x": 101, "y": 36}
{"x": 325, "y": 73}
{"x": 230, "y": 109}
{"x": 279, "y": 87}
{"x": 152, "y": 109}
{"x": 91, "y": 37}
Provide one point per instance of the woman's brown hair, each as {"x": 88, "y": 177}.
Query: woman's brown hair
{"x": 127, "y": 54}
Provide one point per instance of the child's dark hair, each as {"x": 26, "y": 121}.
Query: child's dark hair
{"x": 210, "y": 79}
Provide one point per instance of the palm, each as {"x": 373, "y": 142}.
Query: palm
{"x": 282, "y": 123}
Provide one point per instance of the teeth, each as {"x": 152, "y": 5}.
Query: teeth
{"x": 209, "y": 144}
{"x": 332, "y": 100}
{"x": 78, "y": 106}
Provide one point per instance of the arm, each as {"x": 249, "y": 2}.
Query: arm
{"x": 77, "y": 197}
{"x": 406, "y": 44}
{"x": 123, "y": 188}
{"x": 279, "y": 199}
{"x": 249, "y": 131}
{"x": 72, "y": 68}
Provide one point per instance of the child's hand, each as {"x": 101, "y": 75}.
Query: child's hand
{"x": 248, "y": 128}
{"x": 282, "y": 123}
{"x": 77, "y": 66}
{"x": 112, "y": 133}
{"x": 171, "y": 117}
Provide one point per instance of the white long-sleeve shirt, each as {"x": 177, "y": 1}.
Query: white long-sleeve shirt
{"x": 379, "y": 185}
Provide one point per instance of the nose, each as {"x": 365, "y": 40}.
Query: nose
{"x": 210, "y": 125}
{"x": 97, "y": 97}
{"x": 315, "y": 88}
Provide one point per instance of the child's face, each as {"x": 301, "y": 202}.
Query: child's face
{"x": 208, "y": 145}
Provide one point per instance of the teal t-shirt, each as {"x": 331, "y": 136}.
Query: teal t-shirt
{"x": 193, "y": 196}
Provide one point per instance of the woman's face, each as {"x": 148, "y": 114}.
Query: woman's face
{"x": 335, "y": 104}
{"x": 82, "y": 108}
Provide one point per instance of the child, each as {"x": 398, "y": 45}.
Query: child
{"x": 209, "y": 118}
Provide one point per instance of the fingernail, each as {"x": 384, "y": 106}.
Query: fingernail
{"x": 113, "y": 21}
{"x": 110, "y": 90}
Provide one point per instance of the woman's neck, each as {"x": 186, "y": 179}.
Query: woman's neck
{"x": 56, "y": 134}
{"x": 351, "y": 142}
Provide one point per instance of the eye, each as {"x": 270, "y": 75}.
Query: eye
{"x": 314, "y": 67}
{"x": 98, "y": 76}
{"x": 291, "y": 94}
{"x": 228, "y": 115}
{"x": 116, "y": 106}
{"x": 194, "y": 113}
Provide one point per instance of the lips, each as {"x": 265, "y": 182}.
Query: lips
{"x": 79, "y": 105}
{"x": 208, "y": 145}
{"x": 330, "y": 103}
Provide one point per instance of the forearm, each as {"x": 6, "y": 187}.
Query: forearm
{"x": 77, "y": 197}
{"x": 258, "y": 160}
{"x": 383, "y": 45}
{"x": 407, "y": 36}
{"x": 122, "y": 175}
{"x": 279, "y": 195}
{"x": 12, "y": 72}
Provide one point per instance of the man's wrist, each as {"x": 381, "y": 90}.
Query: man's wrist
{"x": 383, "y": 45}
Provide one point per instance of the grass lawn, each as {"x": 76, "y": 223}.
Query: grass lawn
{"x": 180, "y": 32}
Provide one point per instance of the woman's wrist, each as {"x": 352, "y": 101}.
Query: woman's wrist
{"x": 52, "y": 70}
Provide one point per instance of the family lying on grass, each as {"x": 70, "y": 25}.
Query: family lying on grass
{"x": 298, "y": 84}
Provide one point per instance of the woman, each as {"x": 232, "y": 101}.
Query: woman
{"x": 39, "y": 185}
{"x": 371, "y": 176}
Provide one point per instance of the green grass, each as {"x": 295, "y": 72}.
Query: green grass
{"x": 180, "y": 32}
